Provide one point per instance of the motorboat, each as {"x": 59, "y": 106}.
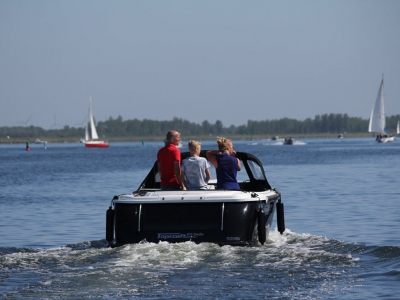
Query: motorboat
{"x": 39, "y": 141}
{"x": 288, "y": 141}
{"x": 384, "y": 138}
{"x": 224, "y": 217}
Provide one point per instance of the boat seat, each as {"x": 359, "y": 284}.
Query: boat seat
{"x": 255, "y": 186}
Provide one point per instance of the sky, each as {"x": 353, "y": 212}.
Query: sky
{"x": 225, "y": 60}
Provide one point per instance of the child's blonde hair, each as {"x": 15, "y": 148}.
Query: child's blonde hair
{"x": 193, "y": 145}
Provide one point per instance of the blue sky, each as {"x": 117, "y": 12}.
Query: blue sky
{"x": 198, "y": 60}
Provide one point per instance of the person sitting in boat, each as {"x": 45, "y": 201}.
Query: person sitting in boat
{"x": 226, "y": 164}
{"x": 195, "y": 170}
{"x": 169, "y": 162}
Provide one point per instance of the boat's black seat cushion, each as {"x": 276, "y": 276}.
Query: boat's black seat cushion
{"x": 254, "y": 186}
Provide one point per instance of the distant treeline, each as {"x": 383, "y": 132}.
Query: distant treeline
{"x": 327, "y": 123}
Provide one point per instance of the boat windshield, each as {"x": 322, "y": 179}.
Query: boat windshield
{"x": 256, "y": 170}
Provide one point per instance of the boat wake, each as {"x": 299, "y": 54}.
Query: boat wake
{"x": 290, "y": 265}
{"x": 278, "y": 142}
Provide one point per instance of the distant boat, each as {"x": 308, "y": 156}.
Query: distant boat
{"x": 398, "y": 128}
{"x": 340, "y": 136}
{"x": 377, "y": 122}
{"x": 288, "y": 141}
{"x": 38, "y": 141}
{"x": 91, "y": 139}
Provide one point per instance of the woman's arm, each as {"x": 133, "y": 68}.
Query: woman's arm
{"x": 212, "y": 157}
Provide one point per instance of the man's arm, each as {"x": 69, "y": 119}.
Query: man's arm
{"x": 177, "y": 171}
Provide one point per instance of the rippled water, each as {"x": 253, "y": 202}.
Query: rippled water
{"x": 342, "y": 210}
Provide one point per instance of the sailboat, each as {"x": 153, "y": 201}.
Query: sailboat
{"x": 91, "y": 139}
{"x": 377, "y": 122}
{"x": 398, "y": 128}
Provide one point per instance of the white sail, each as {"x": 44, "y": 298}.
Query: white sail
{"x": 398, "y": 128}
{"x": 93, "y": 142}
{"x": 87, "y": 138}
{"x": 377, "y": 120}
{"x": 92, "y": 127}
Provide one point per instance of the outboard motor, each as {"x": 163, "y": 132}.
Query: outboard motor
{"x": 110, "y": 224}
{"x": 261, "y": 227}
{"x": 280, "y": 218}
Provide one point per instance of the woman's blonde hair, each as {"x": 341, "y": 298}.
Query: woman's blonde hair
{"x": 223, "y": 144}
{"x": 193, "y": 145}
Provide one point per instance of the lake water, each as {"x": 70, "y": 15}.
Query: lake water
{"x": 342, "y": 215}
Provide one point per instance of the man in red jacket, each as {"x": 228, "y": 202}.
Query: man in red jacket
{"x": 169, "y": 162}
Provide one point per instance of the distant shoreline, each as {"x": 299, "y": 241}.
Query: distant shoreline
{"x": 184, "y": 138}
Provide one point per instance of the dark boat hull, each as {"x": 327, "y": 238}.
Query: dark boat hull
{"x": 223, "y": 223}
{"x": 288, "y": 141}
